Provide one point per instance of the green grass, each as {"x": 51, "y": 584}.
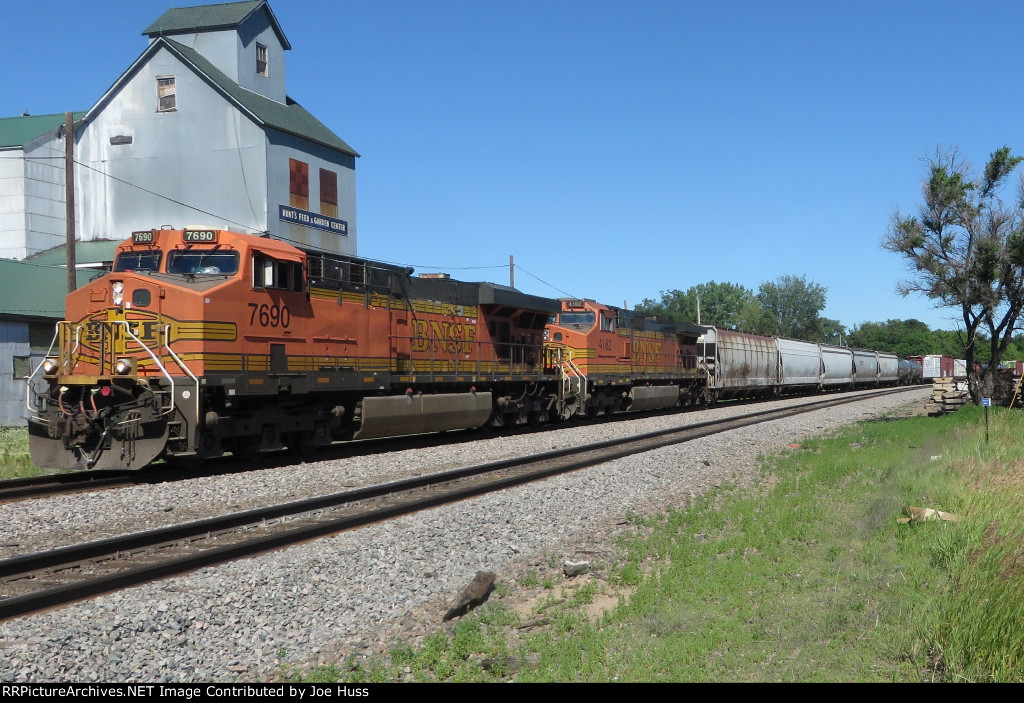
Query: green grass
{"x": 14, "y": 456}
{"x": 807, "y": 578}
{"x": 976, "y": 632}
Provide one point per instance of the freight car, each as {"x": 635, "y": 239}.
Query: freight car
{"x": 909, "y": 372}
{"x": 741, "y": 365}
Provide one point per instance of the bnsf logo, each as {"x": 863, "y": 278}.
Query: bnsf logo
{"x": 443, "y": 336}
{"x": 148, "y": 331}
{"x": 645, "y": 352}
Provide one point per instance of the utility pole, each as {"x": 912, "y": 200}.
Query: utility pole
{"x": 69, "y": 197}
{"x": 511, "y": 272}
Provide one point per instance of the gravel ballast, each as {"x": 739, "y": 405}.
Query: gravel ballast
{"x": 358, "y": 592}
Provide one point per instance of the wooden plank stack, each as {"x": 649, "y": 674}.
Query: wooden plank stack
{"x": 947, "y": 397}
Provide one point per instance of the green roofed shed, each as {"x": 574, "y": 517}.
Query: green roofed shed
{"x": 18, "y": 131}
{"x": 32, "y": 291}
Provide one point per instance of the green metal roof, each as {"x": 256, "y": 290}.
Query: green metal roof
{"x": 207, "y": 18}
{"x": 291, "y": 118}
{"x": 19, "y": 131}
{"x": 30, "y": 290}
{"x": 88, "y": 252}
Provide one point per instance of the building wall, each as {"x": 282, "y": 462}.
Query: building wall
{"x": 13, "y": 343}
{"x": 211, "y": 159}
{"x": 32, "y": 214}
{"x": 258, "y": 29}
{"x": 45, "y": 211}
{"x": 283, "y": 147}
{"x": 234, "y": 52}
{"x": 12, "y": 204}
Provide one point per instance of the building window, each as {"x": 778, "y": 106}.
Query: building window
{"x": 166, "y": 101}
{"x": 40, "y": 336}
{"x": 22, "y": 367}
{"x": 328, "y": 193}
{"x": 298, "y": 189}
{"x": 261, "y": 60}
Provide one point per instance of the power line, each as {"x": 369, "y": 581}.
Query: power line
{"x": 570, "y": 295}
{"x": 281, "y": 237}
{"x": 164, "y": 197}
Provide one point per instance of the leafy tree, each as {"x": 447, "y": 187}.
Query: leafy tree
{"x": 720, "y": 304}
{"x": 833, "y": 331}
{"x": 790, "y": 307}
{"x": 902, "y": 337}
{"x": 966, "y": 248}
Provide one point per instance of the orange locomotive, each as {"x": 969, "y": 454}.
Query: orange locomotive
{"x": 615, "y": 360}
{"x": 202, "y": 341}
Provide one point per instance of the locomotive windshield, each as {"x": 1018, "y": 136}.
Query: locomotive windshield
{"x": 202, "y": 261}
{"x": 578, "y": 320}
{"x": 148, "y": 260}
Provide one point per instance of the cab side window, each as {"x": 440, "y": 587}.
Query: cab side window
{"x": 279, "y": 275}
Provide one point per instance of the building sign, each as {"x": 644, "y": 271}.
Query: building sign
{"x": 312, "y": 219}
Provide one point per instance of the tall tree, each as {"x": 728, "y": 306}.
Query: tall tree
{"x": 791, "y": 307}
{"x": 902, "y": 337}
{"x": 832, "y": 331}
{"x": 966, "y": 248}
{"x": 720, "y": 304}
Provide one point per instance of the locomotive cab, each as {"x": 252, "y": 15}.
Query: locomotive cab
{"x": 130, "y": 378}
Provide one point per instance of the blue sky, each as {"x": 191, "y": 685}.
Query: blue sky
{"x": 615, "y": 149}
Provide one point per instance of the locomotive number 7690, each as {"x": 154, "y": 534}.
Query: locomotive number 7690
{"x": 269, "y": 315}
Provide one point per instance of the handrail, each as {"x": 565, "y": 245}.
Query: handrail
{"x": 181, "y": 364}
{"x": 105, "y": 365}
{"x": 153, "y": 356}
{"x": 74, "y": 350}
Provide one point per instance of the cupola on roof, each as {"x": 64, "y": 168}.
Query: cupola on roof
{"x": 211, "y": 18}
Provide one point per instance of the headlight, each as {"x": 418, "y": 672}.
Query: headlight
{"x": 123, "y": 366}
{"x": 117, "y": 288}
{"x": 49, "y": 366}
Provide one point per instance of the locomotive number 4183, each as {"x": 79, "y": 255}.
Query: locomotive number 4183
{"x": 269, "y": 315}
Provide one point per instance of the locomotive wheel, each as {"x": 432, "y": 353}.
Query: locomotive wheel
{"x": 248, "y": 448}
{"x": 300, "y": 443}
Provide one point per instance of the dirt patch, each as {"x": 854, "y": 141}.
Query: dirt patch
{"x": 531, "y": 606}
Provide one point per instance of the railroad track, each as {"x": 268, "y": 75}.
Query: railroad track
{"x": 43, "y": 580}
{"x": 39, "y": 486}
{"x": 16, "y": 489}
